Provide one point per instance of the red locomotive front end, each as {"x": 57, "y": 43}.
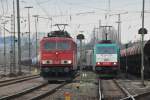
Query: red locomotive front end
{"x": 58, "y": 58}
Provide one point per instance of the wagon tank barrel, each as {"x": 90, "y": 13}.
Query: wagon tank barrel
{"x": 131, "y": 57}
{"x": 136, "y": 49}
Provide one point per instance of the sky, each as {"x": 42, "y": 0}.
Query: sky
{"x": 82, "y": 15}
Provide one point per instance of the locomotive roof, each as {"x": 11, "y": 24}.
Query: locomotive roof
{"x": 105, "y": 42}
{"x": 57, "y": 38}
{"x": 59, "y": 34}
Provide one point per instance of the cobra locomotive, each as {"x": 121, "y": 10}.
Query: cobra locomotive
{"x": 58, "y": 56}
{"x": 106, "y": 56}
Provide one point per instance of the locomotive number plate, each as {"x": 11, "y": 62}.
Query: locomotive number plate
{"x": 106, "y": 63}
{"x": 56, "y": 62}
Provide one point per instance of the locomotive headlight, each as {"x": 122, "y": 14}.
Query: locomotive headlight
{"x": 98, "y": 63}
{"x": 115, "y": 63}
{"x": 46, "y": 61}
{"x": 66, "y": 61}
{"x": 69, "y": 62}
{"x": 43, "y": 61}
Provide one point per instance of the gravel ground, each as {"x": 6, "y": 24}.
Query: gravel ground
{"x": 135, "y": 86}
{"x": 78, "y": 90}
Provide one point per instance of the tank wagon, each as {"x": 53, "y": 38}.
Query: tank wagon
{"x": 131, "y": 59}
{"x": 58, "y": 56}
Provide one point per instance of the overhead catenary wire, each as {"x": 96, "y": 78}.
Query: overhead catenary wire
{"x": 2, "y": 9}
{"x": 43, "y": 2}
{"x": 6, "y": 7}
{"x": 47, "y": 14}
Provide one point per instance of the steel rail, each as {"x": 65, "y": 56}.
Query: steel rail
{"x": 18, "y": 80}
{"x": 49, "y": 92}
{"x": 138, "y": 96}
{"x": 125, "y": 91}
{"x": 142, "y": 95}
{"x": 101, "y": 96}
{"x": 24, "y": 92}
{"x": 52, "y": 91}
{"x": 2, "y": 81}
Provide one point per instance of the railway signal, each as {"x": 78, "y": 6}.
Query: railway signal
{"x": 80, "y": 37}
{"x": 142, "y": 31}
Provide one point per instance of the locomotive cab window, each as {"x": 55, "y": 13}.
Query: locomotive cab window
{"x": 50, "y": 45}
{"x": 56, "y": 46}
{"x": 106, "y": 50}
{"x": 63, "y": 46}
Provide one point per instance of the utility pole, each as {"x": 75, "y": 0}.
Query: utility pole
{"x": 11, "y": 66}
{"x": 4, "y": 23}
{"x": 28, "y": 7}
{"x": 142, "y": 43}
{"x": 14, "y": 40}
{"x": 99, "y": 28}
{"x": 36, "y": 36}
{"x": 19, "y": 40}
{"x": 119, "y": 26}
{"x": 97, "y": 32}
{"x": 119, "y": 29}
{"x": 12, "y": 62}
{"x": 142, "y": 31}
{"x": 99, "y": 23}
{"x": 126, "y": 45}
{"x": 11, "y": 50}
{"x": 94, "y": 35}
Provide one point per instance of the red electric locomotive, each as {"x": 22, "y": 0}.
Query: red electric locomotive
{"x": 58, "y": 56}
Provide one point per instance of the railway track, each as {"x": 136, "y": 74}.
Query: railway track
{"x": 142, "y": 96}
{"x": 35, "y": 93}
{"x": 17, "y": 80}
{"x": 111, "y": 90}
